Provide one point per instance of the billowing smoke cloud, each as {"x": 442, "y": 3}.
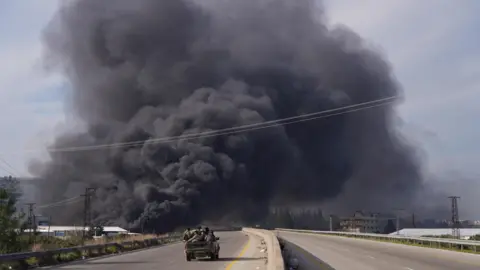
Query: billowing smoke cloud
{"x": 146, "y": 69}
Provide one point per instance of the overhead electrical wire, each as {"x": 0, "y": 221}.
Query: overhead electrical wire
{"x": 239, "y": 129}
{"x": 10, "y": 166}
{"x": 61, "y": 203}
{"x": 226, "y": 131}
{"x": 7, "y": 171}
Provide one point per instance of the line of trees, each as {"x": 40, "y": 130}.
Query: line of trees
{"x": 302, "y": 219}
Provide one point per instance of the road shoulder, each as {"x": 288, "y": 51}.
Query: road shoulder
{"x": 252, "y": 256}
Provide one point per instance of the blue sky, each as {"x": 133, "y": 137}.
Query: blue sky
{"x": 432, "y": 45}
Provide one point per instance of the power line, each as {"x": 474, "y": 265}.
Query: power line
{"x": 31, "y": 221}
{"x": 397, "y": 217}
{"x": 242, "y": 128}
{"x": 61, "y": 203}
{"x": 87, "y": 214}
{"x": 6, "y": 170}
{"x": 8, "y": 165}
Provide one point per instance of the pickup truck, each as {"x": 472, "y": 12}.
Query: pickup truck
{"x": 201, "y": 250}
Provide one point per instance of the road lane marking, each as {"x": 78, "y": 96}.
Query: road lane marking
{"x": 244, "y": 249}
{"x": 408, "y": 268}
{"x": 371, "y": 257}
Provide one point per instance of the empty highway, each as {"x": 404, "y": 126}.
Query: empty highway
{"x": 341, "y": 253}
{"x": 237, "y": 250}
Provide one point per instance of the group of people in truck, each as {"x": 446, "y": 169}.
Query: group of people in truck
{"x": 199, "y": 234}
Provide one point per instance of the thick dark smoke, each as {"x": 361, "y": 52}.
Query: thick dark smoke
{"x": 146, "y": 68}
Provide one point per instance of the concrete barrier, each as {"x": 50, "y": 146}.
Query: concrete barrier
{"x": 274, "y": 253}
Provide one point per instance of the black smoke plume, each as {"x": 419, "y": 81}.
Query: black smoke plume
{"x": 145, "y": 69}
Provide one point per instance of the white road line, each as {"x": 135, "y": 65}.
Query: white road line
{"x": 408, "y": 268}
{"x": 371, "y": 257}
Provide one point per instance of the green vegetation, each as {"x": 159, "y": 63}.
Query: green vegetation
{"x": 447, "y": 236}
{"x": 10, "y": 220}
{"x": 475, "y": 237}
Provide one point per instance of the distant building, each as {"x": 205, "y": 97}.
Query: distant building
{"x": 364, "y": 222}
{"x": 68, "y": 231}
{"x": 42, "y": 221}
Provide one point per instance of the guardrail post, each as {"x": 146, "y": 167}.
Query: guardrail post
{"x": 46, "y": 259}
{"x": 119, "y": 247}
{"x": 23, "y": 265}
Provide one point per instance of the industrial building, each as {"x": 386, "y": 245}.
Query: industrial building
{"x": 66, "y": 231}
{"x": 364, "y": 222}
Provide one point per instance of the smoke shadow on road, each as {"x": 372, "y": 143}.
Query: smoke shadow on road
{"x": 120, "y": 262}
{"x": 228, "y": 259}
{"x": 306, "y": 260}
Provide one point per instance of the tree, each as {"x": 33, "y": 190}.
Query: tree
{"x": 96, "y": 230}
{"x": 9, "y": 223}
{"x": 10, "y": 184}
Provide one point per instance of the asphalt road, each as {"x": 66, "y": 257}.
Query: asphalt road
{"x": 232, "y": 246}
{"x": 341, "y": 253}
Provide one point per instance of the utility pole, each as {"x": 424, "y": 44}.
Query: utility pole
{"x": 87, "y": 213}
{"x": 413, "y": 220}
{"x": 398, "y": 220}
{"x": 331, "y": 223}
{"x": 49, "y": 224}
{"x": 30, "y": 221}
{"x": 455, "y": 219}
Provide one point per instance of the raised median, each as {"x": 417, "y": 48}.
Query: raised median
{"x": 274, "y": 253}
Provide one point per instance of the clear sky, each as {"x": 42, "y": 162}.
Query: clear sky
{"x": 433, "y": 46}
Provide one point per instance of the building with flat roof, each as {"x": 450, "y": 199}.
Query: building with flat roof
{"x": 360, "y": 222}
{"x": 67, "y": 231}
{"x": 364, "y": 222}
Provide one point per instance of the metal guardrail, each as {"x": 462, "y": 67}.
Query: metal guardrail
{"x": 48, "y": 257}
{"x": 432, "y": 242}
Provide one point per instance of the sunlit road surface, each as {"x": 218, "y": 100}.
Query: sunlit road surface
{"x": 236, "y": 250}
{"x": 341, "y": 253}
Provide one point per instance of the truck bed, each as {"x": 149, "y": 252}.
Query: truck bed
{"x": 200, "y": 245}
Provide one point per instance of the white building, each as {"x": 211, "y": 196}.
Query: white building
{"x": 65, "y": 231}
